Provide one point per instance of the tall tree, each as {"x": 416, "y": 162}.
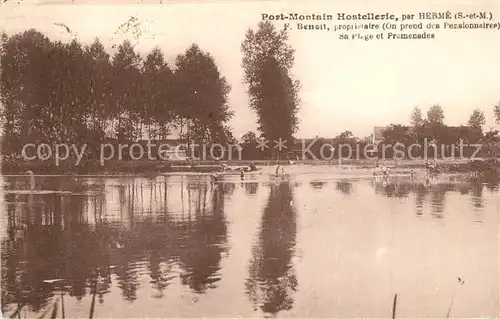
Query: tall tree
{"x": 477, "y": 119}
{"x": 496, "y": 110}
{"x": 100, "y": 84}
{"x": 435, "y": 115}
{"x": 416, "y": 118}
{"x": 267, "y": 61}
{"x": 24, "y": 97}
{"x": 125, "y": 86}
{"x": 277, "y": 103}
{"x": 157, "y": 109}
{"x": 10, "y": 90}
{"x": 100, "y": 104}
{"x": 75, "y": 98}
{"x": 202, "y": 95}
{"x": 418, "y": 124}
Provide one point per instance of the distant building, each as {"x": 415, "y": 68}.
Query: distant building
{"x": 378, "y": 134}
{"x": 375, "y": 138}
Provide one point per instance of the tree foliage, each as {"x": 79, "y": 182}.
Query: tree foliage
{"x": 416, "y": 117}
{"x": 69, "y": 92}
{"x": 202, "y": 95}
{"x": 397, "y": 133}
{"x": 496, "y": 111}
{"x": 435, "y": 115}
{"x": 435, "y": 134}
{"x": 158, "y": 92}
{"x": 249, "y": 144}
{"x": 477, "y": 119}
{"x": 267, "y": 62}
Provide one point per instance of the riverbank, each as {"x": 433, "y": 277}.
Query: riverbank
{"x": 93, "y": 167}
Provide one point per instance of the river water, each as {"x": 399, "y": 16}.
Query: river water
{"x": 301, "y": 245}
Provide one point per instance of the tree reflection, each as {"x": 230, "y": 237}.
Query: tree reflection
{"x": 398, "y": 188}
{"x": 344, "y": 187}
{"x": 402, "y": 188}
{"x": 477, "y": 195}
{"x": 202, "y": 240}
{"x": 78, "y": 238}
{"x": 272, "y": 280}
{"x": 43, "y": 250}
{"x": 438, "y": 197}
{"x": 251, "y": 188}
{"x": 317, "y": 184}
{"x": 420, "y": 192}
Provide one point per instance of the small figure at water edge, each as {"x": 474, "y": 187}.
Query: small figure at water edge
{"x": 430, "y": 180}
{"x": 215, "y": 178}
{"x": 433, "y": 169}
{"x": 252, "y": 167}
{"x": 385, "y": 171}
{"x": 31, "y": 179}
{"x": 242, "y": 175}
{"x": 277, "y": 170}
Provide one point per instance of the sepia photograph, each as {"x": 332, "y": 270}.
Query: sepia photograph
{"x": 250, "y": 159}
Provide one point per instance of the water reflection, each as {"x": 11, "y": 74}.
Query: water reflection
{"x": 344, "y": 186}
{"x": 251, "y": 188}
{"x": 201, "y": 242}
{"x": 86, "y": 244}
{"x": 393, "y": 188}
{"x": 477, "y": 195}
{"x": 402, "y": 188}
{"x": 317, "y": 184}
{"x": 420, "y": 192}
{"x": 124, "y": 232}
{"x": 272, "y": 281}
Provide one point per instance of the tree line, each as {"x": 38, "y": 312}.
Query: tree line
{"x": 430, "y": 131}
{"x": 268, "y": 61}
{"x": 54, "y": 92}
{"x": 433, "y": 131}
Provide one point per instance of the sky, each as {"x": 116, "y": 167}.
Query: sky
{"x": 346, "y": 84}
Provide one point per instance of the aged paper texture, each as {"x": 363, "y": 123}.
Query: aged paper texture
{"x": 247, "y": 159}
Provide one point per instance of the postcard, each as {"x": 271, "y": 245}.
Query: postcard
{"x": 249, "y": 159}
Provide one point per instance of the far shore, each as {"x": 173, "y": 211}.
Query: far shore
{"x": 146, "y": 167}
